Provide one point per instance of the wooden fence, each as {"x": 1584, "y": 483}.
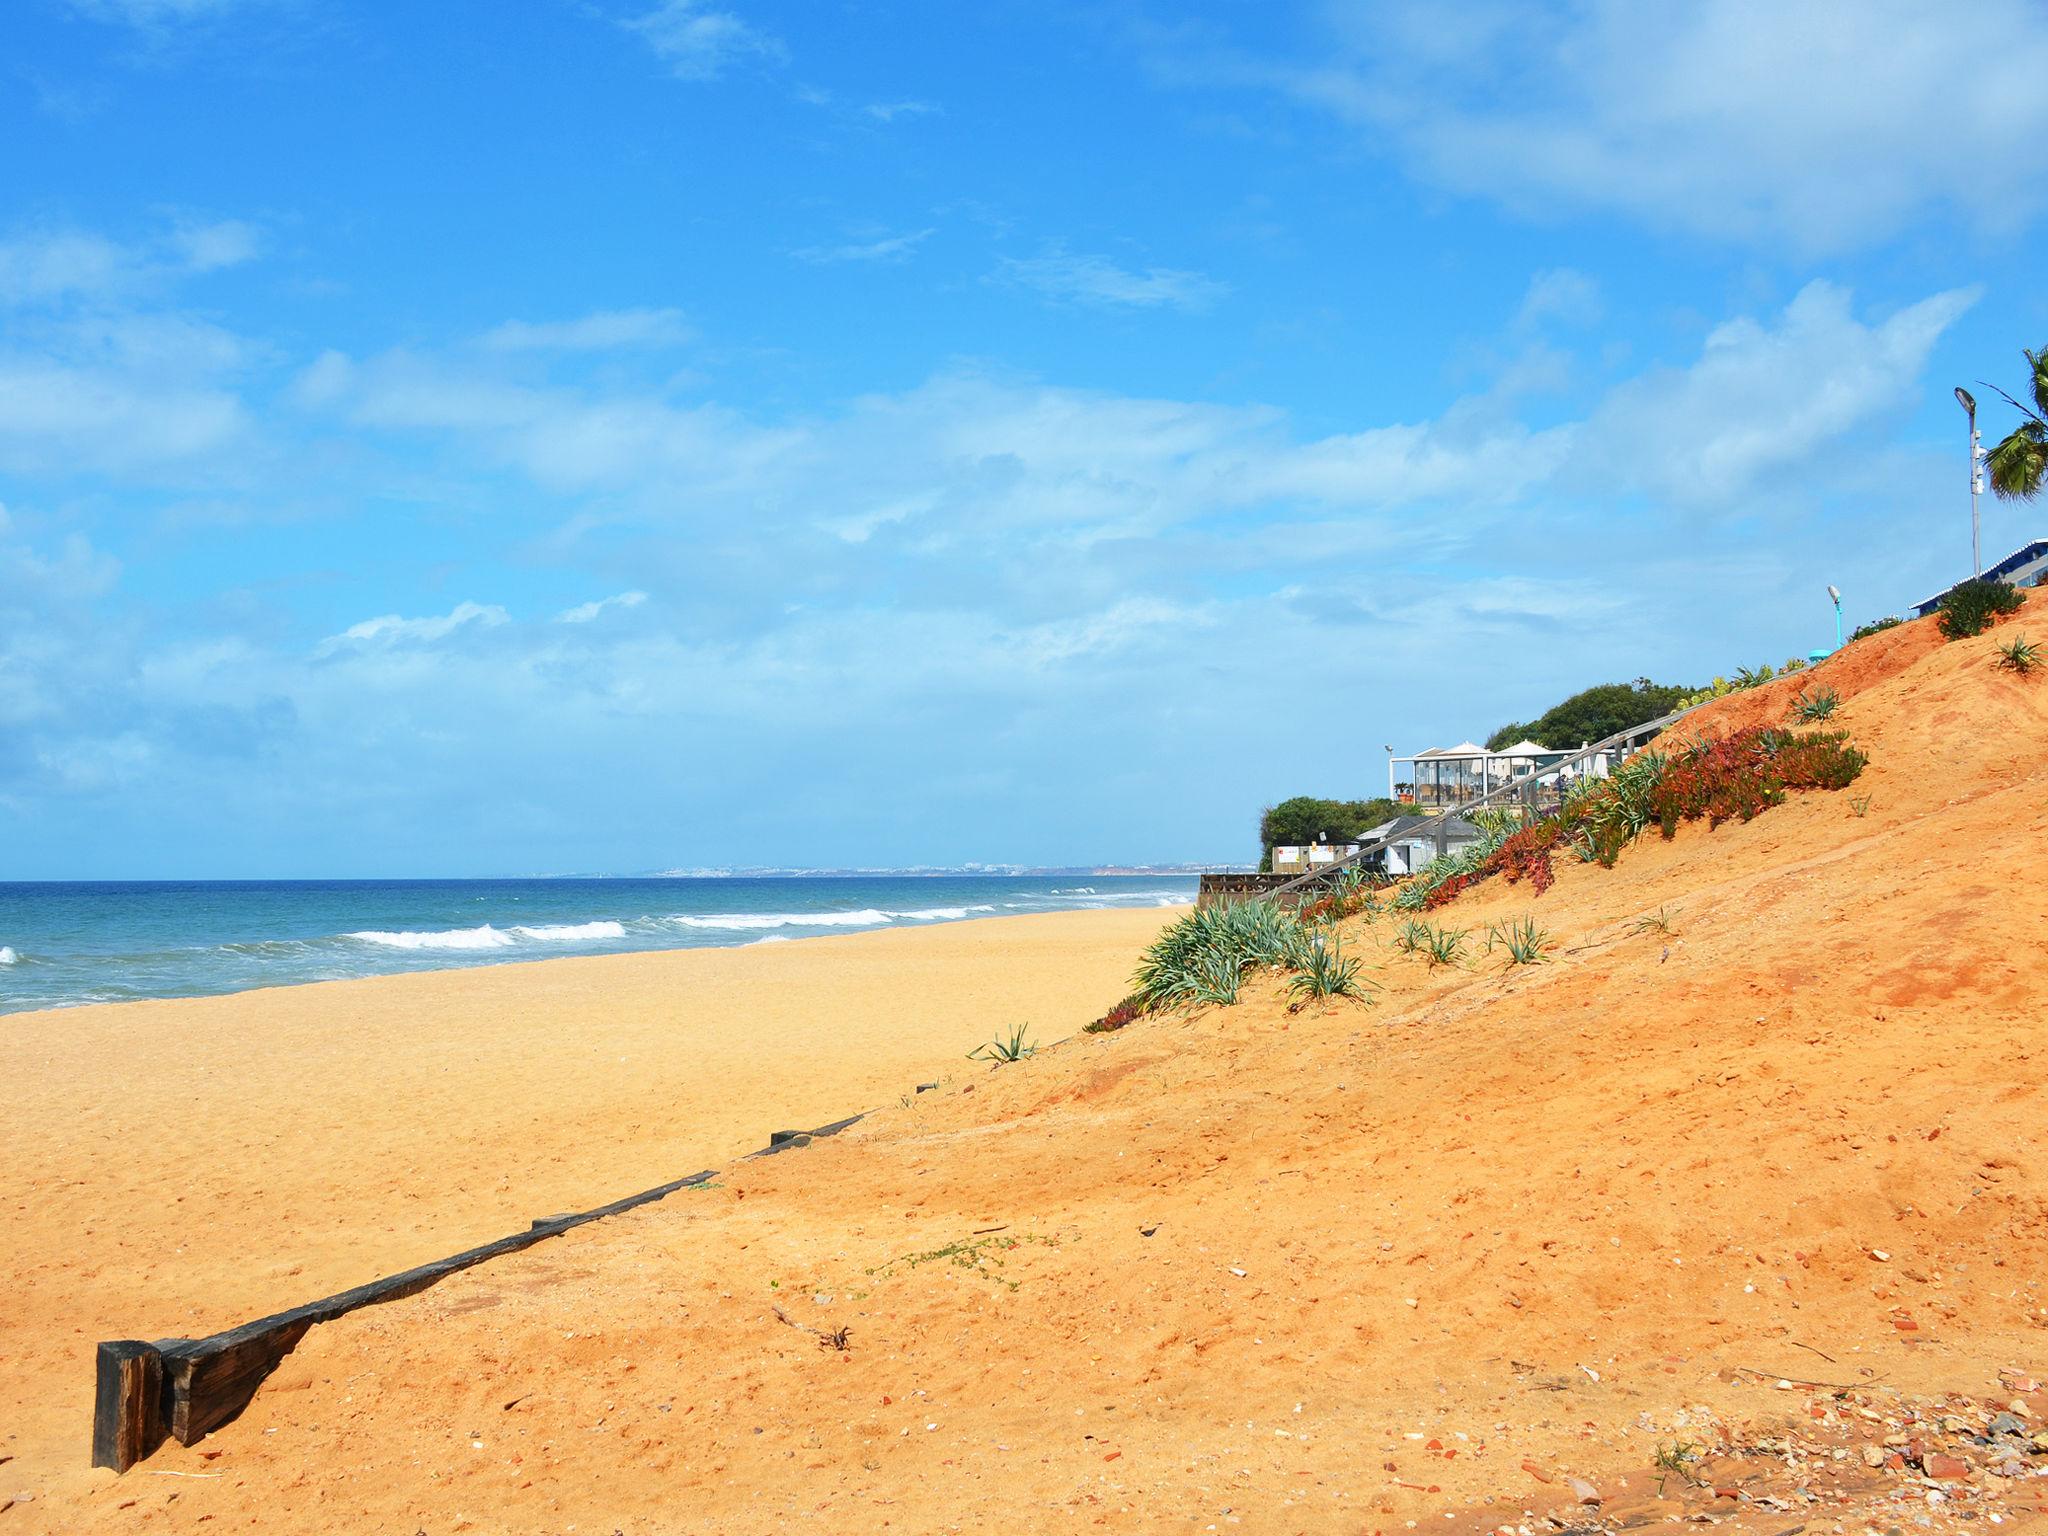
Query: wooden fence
{"x": 184, "y": 1388}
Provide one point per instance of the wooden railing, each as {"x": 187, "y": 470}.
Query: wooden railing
{"x": 1515, "y": 790}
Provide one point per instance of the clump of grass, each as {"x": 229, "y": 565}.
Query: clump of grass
{"x": 1003, "y": 1050}
{"x": 1443, "y": 946}
{"x": 1814, "y": 707}
{"x": 1664, "y": 920}
{"x": 1859, "y": 805}
{"x": 1523, "y": 940}
{"x": 1412, "y": 937}
{"x": 1973, "y": 606}
{"x": 2020, "y": 655}
{"x": 1325, "y": 972}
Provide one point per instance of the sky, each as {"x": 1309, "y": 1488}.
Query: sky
{"x": 609, "y": 435}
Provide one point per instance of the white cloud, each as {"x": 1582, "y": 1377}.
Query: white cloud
{"x": 151, "y": 14}
{"x": 59, "y": 418}
{"x": 1561, "y": 294}
{"x": 1825, "y": 123}
{"x": 390, "y": 630}
{"x": 889, "y": 248}
{"x": 1765, "y": 397}
{"x": 48, "y": 266}
{"x": 891, "y": 111}
{"x": 606, "y": 330}
{"x": 1096, "y": 280}
{"x": 209, "y": 247}
{"x": 40, "y": 266}
{"x": 583, "y": 613}
{"x": 697, "y": 42}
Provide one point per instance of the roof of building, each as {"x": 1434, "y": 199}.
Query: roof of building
{"x": 1459, "y": 829}
{"x": 2026, "y": 554}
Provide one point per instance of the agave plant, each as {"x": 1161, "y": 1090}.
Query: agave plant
{"x": 1816, "y": 706}
{"x": 2020, "y": 655}
{"x": 1001, "y": 1050}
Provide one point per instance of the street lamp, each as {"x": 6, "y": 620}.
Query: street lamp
{"x": 1835, "y": 592}
{"x": 1390, "y": 770}
{"x": 1969, "y": 403}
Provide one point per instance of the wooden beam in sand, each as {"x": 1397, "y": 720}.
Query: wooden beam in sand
{"x": 187, "y": 1388}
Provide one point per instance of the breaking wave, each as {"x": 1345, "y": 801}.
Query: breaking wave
{"x": 570, "y": 933}
{"x": 742, "y": 922}
{"x": 7, "y": 955}
{"x": 485, "y": 937}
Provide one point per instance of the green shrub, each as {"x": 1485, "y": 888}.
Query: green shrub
{"x": 1973, "y": 606}
{"x": 1874, "y": 627}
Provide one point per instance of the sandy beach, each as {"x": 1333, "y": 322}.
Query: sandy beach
{"x": 177, "y": 1167}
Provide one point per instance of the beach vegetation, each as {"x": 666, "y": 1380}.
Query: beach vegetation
{"x": 1325, "y": 972}
{"x": 1816, "y": 705}
{"x": 1716, "y": 779}
{"x": 2019, "y": 461}
{"x": 1663, "y": 920}
{"x": 1350, "y": 894}
{"x": 1874, "y": 627}
{"x": 982, "y": 1255}
{"x": 2020, "y": 655}
{"x": 1859, "y": 805}
{"x": 1125, "y": 1012}
{"x": 1524, "y": 942}
{"x": 1204, "y": 956}
{"x": 1443, "y": 946}
{"x": 1411, "y": 936}
{"x": 1004, "y": 1049}
{"x": 1973, "y": 606}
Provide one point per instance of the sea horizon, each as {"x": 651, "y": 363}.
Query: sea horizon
{"x": 77, "y": 943}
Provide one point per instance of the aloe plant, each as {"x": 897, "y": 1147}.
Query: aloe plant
{"x": 1327, "y": 972}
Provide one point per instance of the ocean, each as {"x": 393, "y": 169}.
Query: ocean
{"x": 87, "y": 942}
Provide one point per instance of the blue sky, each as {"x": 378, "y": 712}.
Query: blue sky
{"x": 600, "y": 435}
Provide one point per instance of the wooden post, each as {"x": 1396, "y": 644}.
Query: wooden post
{"x": 127, "y": 1415}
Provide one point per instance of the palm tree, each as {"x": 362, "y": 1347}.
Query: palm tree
{"x": 2019, "y": 464}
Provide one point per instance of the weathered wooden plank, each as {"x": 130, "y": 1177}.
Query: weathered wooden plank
{"x": 127, "y": 1417}
{"x": 205, "y": 1383}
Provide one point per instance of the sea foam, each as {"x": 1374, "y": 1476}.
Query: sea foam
{"x": 7, "y": 955}
{"x": 570, "y": 933}
{"x": 867, "y": 917}
{"x": 485, "y": 937}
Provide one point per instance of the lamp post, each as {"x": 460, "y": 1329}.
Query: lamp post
{"x": 1390, "y": 770}
{"x": 1835, "y": 593}
{"x": 1968, "y": 402}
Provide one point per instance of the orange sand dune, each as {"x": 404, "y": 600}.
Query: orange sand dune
{"x": 1340, "y": 1270}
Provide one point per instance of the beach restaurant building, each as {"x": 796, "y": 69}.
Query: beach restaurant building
{"x": 1445, "y": 778}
